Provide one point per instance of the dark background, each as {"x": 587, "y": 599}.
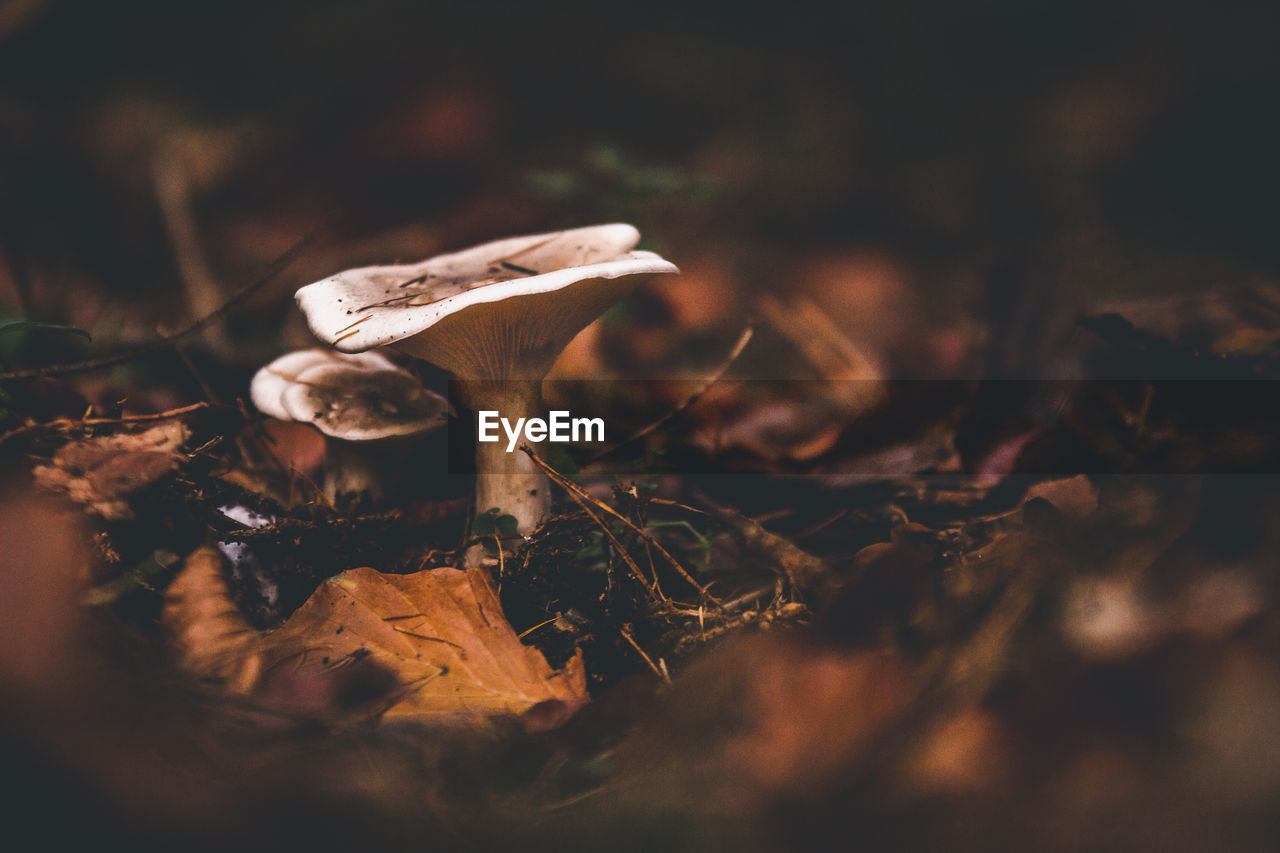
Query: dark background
{"x": 1007, "y": 156}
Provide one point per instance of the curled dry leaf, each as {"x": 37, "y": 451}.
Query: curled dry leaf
{"x": 103, "y": 473}
{"x": 208, "y": 631}
{"x": 1076, "y": 497}
{"x": 441, "y": 633}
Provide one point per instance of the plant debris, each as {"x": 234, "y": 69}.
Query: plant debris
{"x": 103, "y": 473}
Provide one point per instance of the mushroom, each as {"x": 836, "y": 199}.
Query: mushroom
{"x": 366, "y": 407}
{"x": 496, "y": 316}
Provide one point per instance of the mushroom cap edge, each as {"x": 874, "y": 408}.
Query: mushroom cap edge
{"x": 321, "y": 302}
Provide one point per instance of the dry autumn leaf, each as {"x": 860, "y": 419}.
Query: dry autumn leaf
{"x": 1076, "y": 497}
{"x": 103, "y": 473}
{"x": 440, "y": 632}
{"x": 208, "y": 631}
{"x": 763, "y": 717}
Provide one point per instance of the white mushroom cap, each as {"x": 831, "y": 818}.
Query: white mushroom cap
{"x": 501, "y": 310}
{"x": 362, "y": 397}
{"x": 270, "y": 381}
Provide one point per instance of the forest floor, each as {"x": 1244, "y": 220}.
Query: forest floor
{"x": 938, "y": 503}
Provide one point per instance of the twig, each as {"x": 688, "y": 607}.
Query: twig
{"x": 626, "y": 635}
{"x": 68, "y": 423}
{"x": 821, "y": 525}
{"x": 653, "y": 571}
{"x": 290, "y": 527}
{"x": 527, "y": 631}
{"x": 738, "y": 347}
{"x": 274, "y": 269}
{"x": 112, "y": 590}
{"x": 803, "y": 570}
{"x": 205, "y": 387}
{"x": 583, "y": 501}
{"x": 502, "y": 561}
{"x": 677, "y": 505}
{"x": 752, "y": 597}
{"x": 582, "y": 496}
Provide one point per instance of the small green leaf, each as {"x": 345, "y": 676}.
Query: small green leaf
{"x": 506, "y": 525}
{"x": 494, "y": 522}
{"x": 484, "y": 523}
{"x": 35, "y": 326}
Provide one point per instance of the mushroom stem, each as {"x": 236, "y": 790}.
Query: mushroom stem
{"x": 364, "y": 468}
{"x": 509, "y": 481}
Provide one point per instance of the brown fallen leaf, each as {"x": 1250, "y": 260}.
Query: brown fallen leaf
{"x": 853, "y": 377}
{"x": 441, "y": 633}
{"x": 1076, "y": 497}
{"x": 760, "y": 718}
{"x": 43, "y": 559}
{"x": 103, "y": 473}
{"x": 207, "y": 630}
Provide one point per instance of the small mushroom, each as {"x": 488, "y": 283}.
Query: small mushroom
{"x": 367, "y": 409}
{"x": 496, "y": 316}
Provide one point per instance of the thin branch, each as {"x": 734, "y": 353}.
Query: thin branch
{"x": 581, "y": 496}
{"x": 626, "y": 635}
{"x": 677, "y": 505}
{"x": 69, "y": 423}
{"x": 276, "y": 267}
{"x": 738, "y": 347}
{"x": 287, "y": 528}
{"x": 584, "y": 500}
{"x": 527, "y": 631}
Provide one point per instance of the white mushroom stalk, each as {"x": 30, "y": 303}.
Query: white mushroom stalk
{"x": 496, "y": 316}
{"x": 368, "y": 410}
